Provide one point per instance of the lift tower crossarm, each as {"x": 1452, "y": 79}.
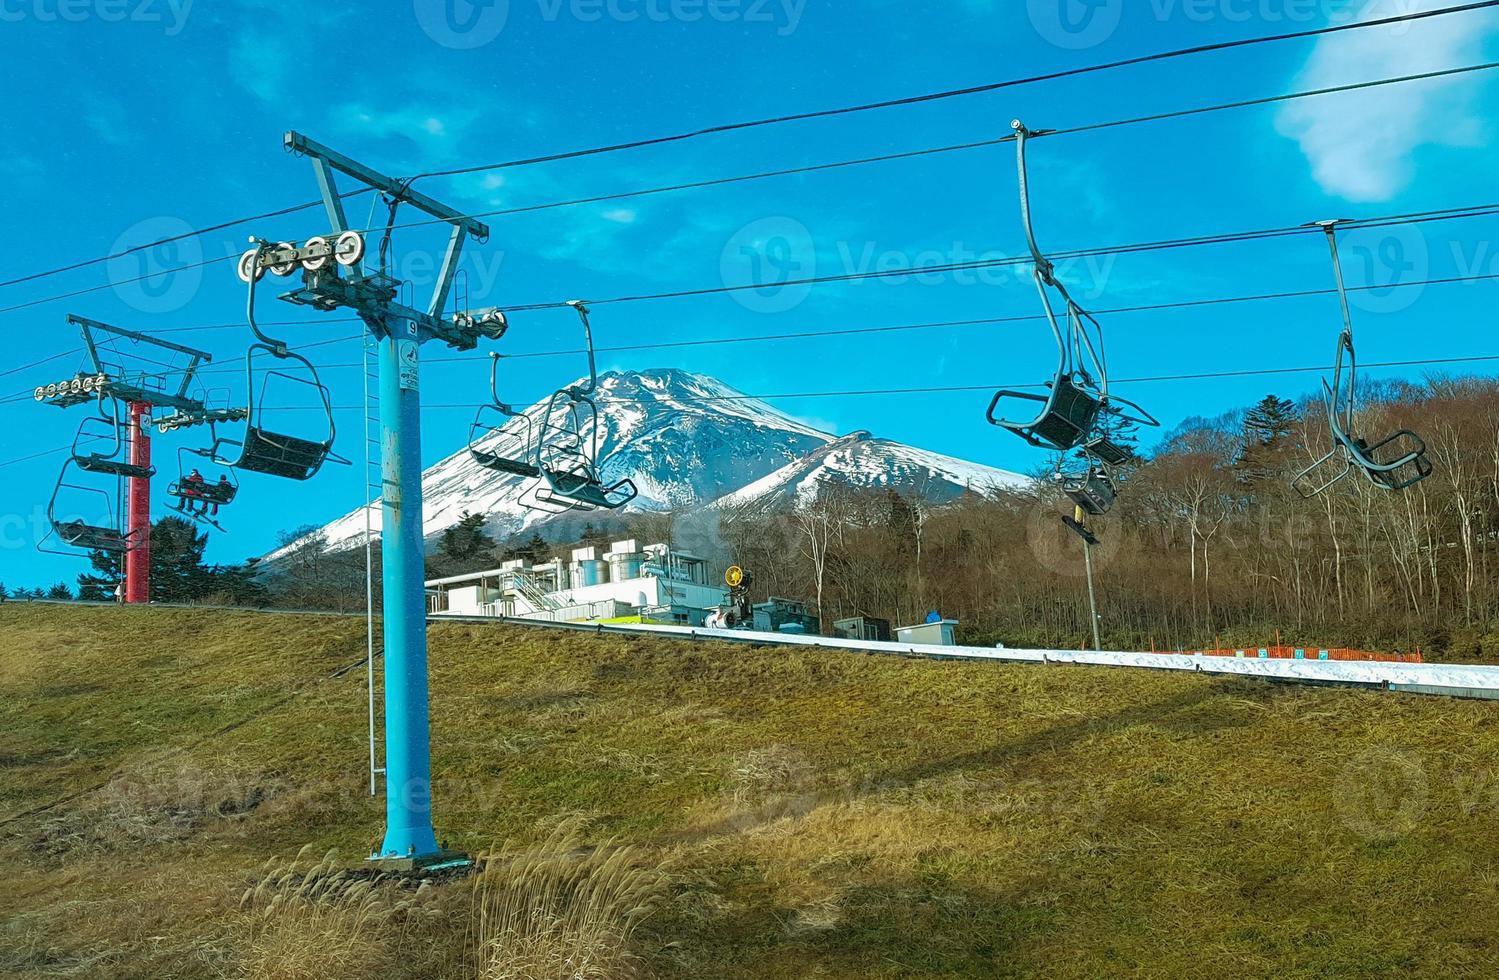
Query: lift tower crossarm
{"x": 326, "y": 161}
{"x": 122, "y": 388}
{"x": 304, "y": 146}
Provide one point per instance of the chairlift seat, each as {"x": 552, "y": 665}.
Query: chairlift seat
{"x": 91, "y": 537}
{"x": 281, "y": 455}
{"x": 1094, "y": 492}
{"x": 115, "y": 467}
{"x": 212, "y": 493}
{"x": 1395, "y": 463}
{"x": 1109, "y": 452}
{"x": 1066, "y": 419}
{"x": 586, "y": 492}
{"x": 504, "y": 464}
{"x": 1408, "y": 474}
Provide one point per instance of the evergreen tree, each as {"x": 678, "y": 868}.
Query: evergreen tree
{"x": 1270, "y": 421}
{"x": 535, "y": 549}
{"x": 466, "y": 539}
{"x": 900, "y": 519}
{"x": 60, "y": 592}
{"x": 1267, "y": 430}
{"x": 177, "y": 570}
{"x": 595, "y": 537}
{"x": 178, "y": 573}
{"x": 3, "y": 594}
{"x": 99, "y": 585}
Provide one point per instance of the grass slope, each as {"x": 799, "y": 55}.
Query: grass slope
{"x": 820, "y": 814}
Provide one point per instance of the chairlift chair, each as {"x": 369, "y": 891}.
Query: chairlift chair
{"x": 115, "y": 459}
{"x": 76, "y": 531}
{"x": 261, "y": 448}
{"x": 1094, "y": 491}
{"x": 568, "y": 445}
{"x": 210, "y": 495}
{"x": 560, "y": 453}
{"x": 1077, "y": 397}
{"x": 483, "y": 434}
{"x": 1398, "y": 461}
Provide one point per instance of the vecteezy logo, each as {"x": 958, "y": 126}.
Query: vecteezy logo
{"x": 1382, "y": 793}
{"x": 462, "y": 24}
{"x": 1059, "y": 549}
{"x": 1381, "y": 264}
{"x": 1075, "y": 24}
{"x": 156, "y": 266}
{"x": 767, "y": 263}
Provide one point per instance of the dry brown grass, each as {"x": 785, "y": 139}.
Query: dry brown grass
{"x": 312, "y": 920}
{"x": 561, "y": 910}
{"x": 825, "y": 815}
{"x": 159, "y": 804}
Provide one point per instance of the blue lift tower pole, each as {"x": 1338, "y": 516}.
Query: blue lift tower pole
{"x": 336, "y": 275}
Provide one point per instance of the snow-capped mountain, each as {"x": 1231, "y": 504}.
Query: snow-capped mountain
{"x": 864, "y": 462}
{"x": 686, "y": 440}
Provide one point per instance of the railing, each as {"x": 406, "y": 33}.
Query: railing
{"x": 529, "y": 589}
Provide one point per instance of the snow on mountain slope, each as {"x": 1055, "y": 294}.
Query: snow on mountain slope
{"x": 685, "y": 439}
{"x": 864, "y": 462}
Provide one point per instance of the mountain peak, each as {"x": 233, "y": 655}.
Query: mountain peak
{"x": 686, "y": 440}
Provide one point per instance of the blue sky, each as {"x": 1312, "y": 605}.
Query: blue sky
{"x": 127, "y": 121}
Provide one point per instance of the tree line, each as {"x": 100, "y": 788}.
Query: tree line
{"x": 1208, "y": 546}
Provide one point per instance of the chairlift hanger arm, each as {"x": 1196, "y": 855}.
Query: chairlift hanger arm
{"x": 593, "y": 372}
{"x": 1043, "y": 264}
{"x": 1330, "y": 228}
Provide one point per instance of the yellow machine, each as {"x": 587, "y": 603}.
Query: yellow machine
{"x": 737, "y": 614}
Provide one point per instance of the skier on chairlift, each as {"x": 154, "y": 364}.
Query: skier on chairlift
{"x": 223, "y": 491}
{"x": 192, "y": 494}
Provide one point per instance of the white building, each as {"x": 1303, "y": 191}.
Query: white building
{"x": 654, "y": 583}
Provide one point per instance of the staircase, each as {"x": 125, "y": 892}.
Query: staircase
{"x": 525, "y": 586}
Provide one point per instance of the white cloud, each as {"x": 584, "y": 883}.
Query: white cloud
{"x": 621, "y": 216}
{"x": 1361, "y": 144}
{"x": 412, "y": 121}
{"x": 107, "y": 120}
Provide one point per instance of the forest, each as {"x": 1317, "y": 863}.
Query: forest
{"x": 1209, "y": 545}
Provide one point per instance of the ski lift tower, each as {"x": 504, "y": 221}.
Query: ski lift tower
{"x": 139, "y": 391}
{"x": 334, "y": 275}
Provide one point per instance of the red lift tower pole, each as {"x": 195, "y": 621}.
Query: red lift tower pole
{"x": 138, "y": 513}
